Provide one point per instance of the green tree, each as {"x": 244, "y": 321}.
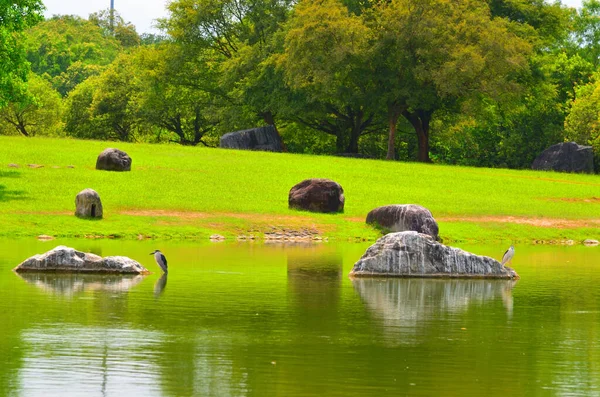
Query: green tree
{"x": 326, "y": 62}
{"x": 545, "y": 23}
{"x": 239, "y": 37}
{"x": 112, "y": 24}
{"x": 223, "y": 25}
{"x": 587, "y": 31}
{"x": 583, "y": 122}
{"x": 103, "y": 106}
{"x": 409, "y": 58}
{"x": 68, "y": 49}
{"x": 15, "y": 17}
{"x": 39, "y": 114}
{"x": 176, "y": 94}
{"x": 78, "y": 117}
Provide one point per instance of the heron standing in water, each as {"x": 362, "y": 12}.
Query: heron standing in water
{"x": 508, "y": 255}
{"x": 160, "y": 260}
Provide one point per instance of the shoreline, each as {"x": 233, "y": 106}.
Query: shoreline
{"x": 303, "y": 228}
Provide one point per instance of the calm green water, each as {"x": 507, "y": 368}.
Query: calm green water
{"x": 259, "y": 320}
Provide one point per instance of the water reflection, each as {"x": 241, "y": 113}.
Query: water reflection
{"x": 314, "y": 283}
{"x": 160, "y": 285}
{"x": 314, "y": 275}
{"x": 70, "y": 284}
{"x": 407, "y": 304}
{"x": 108, "y": 361}
{"x": 245, "y": 319}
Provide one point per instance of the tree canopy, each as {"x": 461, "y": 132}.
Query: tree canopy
{"x": 15, "y": 17}
{"x": 489, "y": 83}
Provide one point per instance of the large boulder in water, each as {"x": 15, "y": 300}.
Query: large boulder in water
{"x": 566, "y": 157}
{"x": 88, "y": 204}
{"x": 412, "y": 254}
{"x": 404, "y": 217}
{"x": 261, "y": 138}
{"x": 65, "y": 259}
{"x": 317, "y": 195}
{"x": 113, "y": 160}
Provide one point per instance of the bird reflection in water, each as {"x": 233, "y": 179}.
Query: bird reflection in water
{"x": 160, "y": 285}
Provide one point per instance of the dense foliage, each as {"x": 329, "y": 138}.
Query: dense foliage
{"x": 464, "y": 82}
{"x": 15, "y": 17}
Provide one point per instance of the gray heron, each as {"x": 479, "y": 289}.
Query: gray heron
{"x": 160, "y": 260}
{"x": 508, "y": 255}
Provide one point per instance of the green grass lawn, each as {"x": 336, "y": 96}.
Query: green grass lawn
{"x": 175, "y": 191}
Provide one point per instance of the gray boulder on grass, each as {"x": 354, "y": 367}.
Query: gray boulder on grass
{"x": 88, "y": 204}
{"x": 261, "y": 138}
{"x": 566, "y": 157}
{"x": 412, "y": 254}
{"x": 113, "y": 160}
{"x": 317, "y": 195}
{"x": 404, "y": 217}
{"x": 65, "y": 259}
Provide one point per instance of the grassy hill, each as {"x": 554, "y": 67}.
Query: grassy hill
{"x": 175, "y": 191}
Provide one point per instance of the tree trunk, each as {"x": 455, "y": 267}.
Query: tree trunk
{"x": 20, "y": 124}
{"x": 355, "y": 133}
{"x": 339, "y": 142}
{"x": 419, "y": 119}
{"x": 22, "y": 129}
{"x": 270, "y": 120}
{"x": 394, "y": 111}
{"x": 197, "y": 126}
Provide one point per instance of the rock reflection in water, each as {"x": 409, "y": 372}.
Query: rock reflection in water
{"x": 68, "y": 284}
{"x": 405, "y": 304}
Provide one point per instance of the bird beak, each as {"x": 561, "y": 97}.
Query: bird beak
{"x": 151, "y": 253}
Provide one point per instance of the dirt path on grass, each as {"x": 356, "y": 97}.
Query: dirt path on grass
{"x": 270, "y": 224}
{"x": 555, "y": 223}
{"x": 204, "y": 215}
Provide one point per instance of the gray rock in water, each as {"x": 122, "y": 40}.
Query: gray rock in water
{"x": 113, "y": 160}
{"x": 65, "y": 259}
{"x": 404, "y": 217}
{"x": 566, "y": 157}
{"x": 317, "y": 195}
{"x": 412, "y": 254}
{"x": 88, "y": 204}
{"x": 261, "y": 138}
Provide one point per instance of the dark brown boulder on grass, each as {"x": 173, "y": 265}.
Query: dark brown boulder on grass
{"x": 88, "y": 204}
{"x": 566, "y": 157}
{"x": 113, "y": 160}
{"x": 404, "y": 217}
{"x": 317, "y": 195}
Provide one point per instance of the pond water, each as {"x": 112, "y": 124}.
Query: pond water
{"x": 254, "y": 319}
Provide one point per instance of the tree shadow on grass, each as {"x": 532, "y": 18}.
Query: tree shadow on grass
{"x": 8, "y": 194}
